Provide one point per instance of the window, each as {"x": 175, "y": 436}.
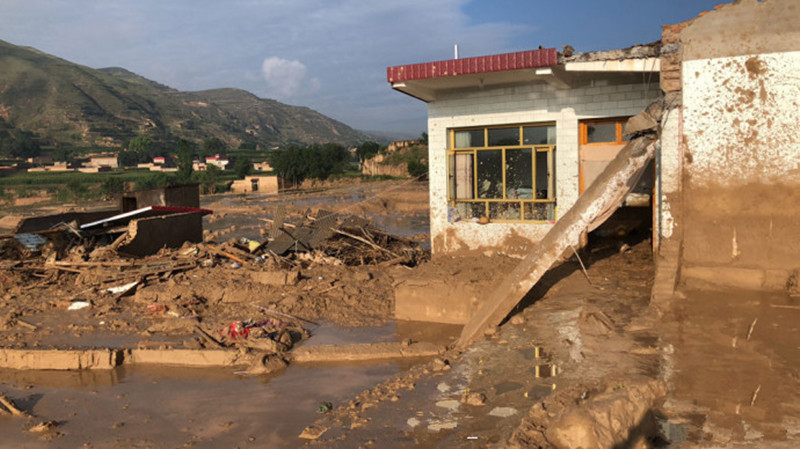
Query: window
{"x": 602, "y": 132}
{"x": 505, "y": 173}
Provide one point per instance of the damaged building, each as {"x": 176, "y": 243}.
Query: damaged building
{"x": 515, "y": 138}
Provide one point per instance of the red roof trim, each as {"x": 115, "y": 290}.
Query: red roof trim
{"x": 482, "y": 64}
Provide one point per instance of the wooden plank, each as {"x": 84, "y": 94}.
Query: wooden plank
{"x": 603, "y": 195}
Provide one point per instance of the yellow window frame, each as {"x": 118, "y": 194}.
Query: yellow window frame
{"x": 487, "y": 202}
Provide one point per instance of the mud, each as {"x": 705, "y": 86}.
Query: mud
{"x": 733, "y": 366}
{"x": 556, "y": 349}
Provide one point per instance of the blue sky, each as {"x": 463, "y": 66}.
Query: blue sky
{"x": 329, "y": 55}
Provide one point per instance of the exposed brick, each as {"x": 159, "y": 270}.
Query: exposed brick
{"x": 671, "y": 85}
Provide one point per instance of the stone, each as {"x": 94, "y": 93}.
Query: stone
{"x": 503, "y": 412}
{"x": 474, "y": 398}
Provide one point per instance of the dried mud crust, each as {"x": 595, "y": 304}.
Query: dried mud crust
{"x": 587, "y": 334}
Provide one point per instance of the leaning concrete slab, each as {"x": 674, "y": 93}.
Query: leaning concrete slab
{"x": 604, "y": 195}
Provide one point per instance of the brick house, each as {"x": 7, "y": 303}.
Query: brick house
{"x": 515, "y": 138}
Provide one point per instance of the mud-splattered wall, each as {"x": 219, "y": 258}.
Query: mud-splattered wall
{"x": 741, "y": 134}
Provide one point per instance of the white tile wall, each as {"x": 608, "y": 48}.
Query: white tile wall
{"x": 536, "y": 102}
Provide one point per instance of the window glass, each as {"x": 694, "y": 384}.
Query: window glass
{"x": 504, "y": 137}
{"x": 540, "y": 211}
{"x": 601, "y": 132}
{"x": 542, "y": 178}
{"x": 469, "y": 139}
{"x": 539, "y": 135}
{"x": 519, "y": 174}
{"x": 471, "y": 210}
{"x": 463, "y": 175}
{"x": 490, "y": 173}
{"x": 505, "y": 211}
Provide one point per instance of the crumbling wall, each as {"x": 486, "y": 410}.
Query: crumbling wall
{"x": 740, "y": 125}
{"x": 148, "y": 235}
{"x": 187, "y": 195}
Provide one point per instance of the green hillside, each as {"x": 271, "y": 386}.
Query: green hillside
{"x": 63, "y": 103}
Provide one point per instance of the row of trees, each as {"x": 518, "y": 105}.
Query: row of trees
{"x": 296, "y": 163}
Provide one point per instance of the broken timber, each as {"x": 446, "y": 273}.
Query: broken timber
{"x": 598, "y": 202}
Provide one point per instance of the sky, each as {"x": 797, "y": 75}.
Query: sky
{"x": 329, "y": 55}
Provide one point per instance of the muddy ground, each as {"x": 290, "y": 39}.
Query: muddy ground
{"x": 585, "y": 354}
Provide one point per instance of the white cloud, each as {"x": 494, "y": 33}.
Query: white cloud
{"x": 284, "y": 78}
{"x": 330, "y": 56}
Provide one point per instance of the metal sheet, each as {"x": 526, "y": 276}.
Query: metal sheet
{"x": 482, "y": 64}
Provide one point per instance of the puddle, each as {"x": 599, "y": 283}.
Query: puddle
{"x": 170, "y": 407}
{"x": 332, "y": 334}
{"x": 167, "y": 407}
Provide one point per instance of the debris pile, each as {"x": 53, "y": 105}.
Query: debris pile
{"x": 255, "y": 296}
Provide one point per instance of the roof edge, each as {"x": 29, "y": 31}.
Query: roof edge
{"x": 545, "y": 57}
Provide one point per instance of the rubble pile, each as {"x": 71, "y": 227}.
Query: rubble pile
{"x": 62, "y": 284}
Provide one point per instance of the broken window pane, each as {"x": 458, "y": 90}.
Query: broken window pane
{"x": 503, "y": 137}
{"x": 542, "y": 176}
{"x": 601, "y": 132}
{"x": 471, "y": 210}
{"x": 490, "y": 174}
{"x": 540, "y": 211}
{"x": 463, "y": 176}
{"x": 539, "y": 135}
{"x": 504, "y": 211}
{"x": 519, "y": 174}
{"x": 469, "y": 139}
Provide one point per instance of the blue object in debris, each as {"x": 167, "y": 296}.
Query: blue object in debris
{"x": 31, "y": 241}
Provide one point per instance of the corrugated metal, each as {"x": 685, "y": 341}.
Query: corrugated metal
{"x": 481, "y": 64}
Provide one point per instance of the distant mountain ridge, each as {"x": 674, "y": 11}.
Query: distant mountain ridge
{"x": 66, "y": 103}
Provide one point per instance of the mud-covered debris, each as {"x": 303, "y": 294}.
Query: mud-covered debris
{"x": 8, "y": 407}
{"x": 313, "y": 432}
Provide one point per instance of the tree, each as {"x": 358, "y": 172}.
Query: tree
{"x": 23, "y": 146}
{"x": 142, "y": 147}
{"x": 209, "y": 178}
{"x": 365, "y": 151}
{"x": 127, "y": 158}
{"x": 212, "y": 146}
{"x": 297, "y": 164}
{"x": 185, "y": 157}
{"x": 243, "y": 167}
{"x": 423, "y": 138}
{"x": 417, "y": 169}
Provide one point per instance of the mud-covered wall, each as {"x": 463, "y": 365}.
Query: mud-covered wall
{"x": 605, "y": 96}
{"x": 741, "y": 131}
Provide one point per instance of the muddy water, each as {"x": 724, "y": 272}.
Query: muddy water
{"x": 136, "y": 407}
{"x": 735, "y": 359}
{"x": 172, "y": 407}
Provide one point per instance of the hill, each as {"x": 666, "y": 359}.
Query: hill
{"x": 63, "y": 103}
